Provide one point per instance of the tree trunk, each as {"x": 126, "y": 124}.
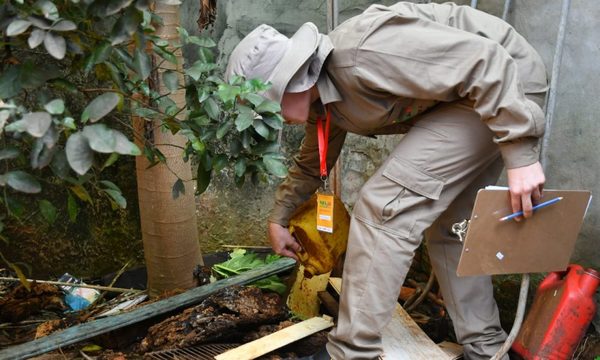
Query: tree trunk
{"x": 169, "y": 226}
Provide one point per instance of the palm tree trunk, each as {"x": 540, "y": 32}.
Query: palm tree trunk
{"x": 169, "y": 226}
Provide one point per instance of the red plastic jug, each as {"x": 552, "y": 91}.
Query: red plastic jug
{"x": 562, "y": 310}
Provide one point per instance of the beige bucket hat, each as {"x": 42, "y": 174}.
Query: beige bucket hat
{"x": 289, "y": 64}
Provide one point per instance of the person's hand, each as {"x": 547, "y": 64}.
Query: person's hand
{"x": 525, "y": 185}
{"x": 282, "y": 242}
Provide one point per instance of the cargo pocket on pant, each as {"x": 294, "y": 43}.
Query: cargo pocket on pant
{"x": 417, "y": 187}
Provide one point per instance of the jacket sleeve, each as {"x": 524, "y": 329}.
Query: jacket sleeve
{"x": 304, "y": 176}
{"x": 416, "y": 57}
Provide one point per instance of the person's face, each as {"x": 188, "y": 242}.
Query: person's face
{"x": 295, "y": 107}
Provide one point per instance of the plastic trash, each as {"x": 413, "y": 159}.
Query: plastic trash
{"x": 76, "y": 297}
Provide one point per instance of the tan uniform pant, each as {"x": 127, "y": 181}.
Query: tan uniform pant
{"x": 428, "y": 183}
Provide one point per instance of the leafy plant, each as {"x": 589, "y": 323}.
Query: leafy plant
{"x": 70, "y": 79}
{"x": 74, "y": 72}
{"x": 241, "y": 261}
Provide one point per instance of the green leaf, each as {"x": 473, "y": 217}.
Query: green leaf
{"x": 165, "y": 54}
{"x": 111, "y": 160}
{"x": 220, "y": 162}
{"x": 240, "y": 167}
{"x": 81, "y": 193}
{"x": 117, "y": 197}
{"x": 171, "y": 80}
{"x": 199, "y": 68}
{"x": 23, "y": 182}
{"x": 55, "y": 107}
{"x": 9, "y": 153}
{"x": 202, "y": 179}
{"x": 268, "y": 106}
{"x": 145, "y": 112}
{"x": 17, "y": 27}
{"x": 224, "y": 129}
{"x": 227, "y": 92}
{"x": 114, "y": 6}
{"x": 36, "y": 124}
{"x": 48, "y": 211}
{"x": 100, "y": 138}
{"x": 244, "y": 120}
{"x": 64, "y": 25}
{"x": 60, "y": 165}
{"x": 72, "y": 208}
{"x": 126, "y": 26}
{"x": 202, "y": 41}
{"x": 63, "y": 84}
{"x": 79, "y": 153}
{"x": 142, "y": 63}
{"x": 212, "y": 108}
{"x": 202, "y": 120}
{"x": 274, "y": 122}
{"x": 36, "y": 38}
{"x": 275, "y": 166}
{"x": 55, "y": 45}
{"x": 69, "y": 123}
{"x": 123, "y": 146}
{"x": 183, "y": 34}
{"x": 10, "y": 84}
{"x": 48, "y": 9}
{"x": 178, "y": 188}
{"x": 100, "y": 107}
{"x": 16, "y": 207}
{"x": 110, "y": 185}
{"x": 272, "y": 283}
{"x": 261, "y": 128}
{"x": 254, "y": 99}
{"x": 266, "y": 147}
{"x": 99, "y": 54}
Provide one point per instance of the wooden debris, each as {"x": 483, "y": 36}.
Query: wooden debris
{"x": 224, "y": 316}
{"x": 21, "y": 303}
{"x": 90, "y": 329}
{"x": 402, "y": 338}
{"x": 276, "y": 340}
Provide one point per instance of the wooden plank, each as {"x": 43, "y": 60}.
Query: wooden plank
{"x": 278, "y": 339}
{"x": 90, "y": 329}
{"x": 403, "y": 339}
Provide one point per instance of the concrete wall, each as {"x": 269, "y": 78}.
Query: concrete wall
{"x": 573, "y": 162}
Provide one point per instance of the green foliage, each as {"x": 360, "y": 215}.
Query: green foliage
{"x": 241, "y": 261}
{"x": 72, "y": 73}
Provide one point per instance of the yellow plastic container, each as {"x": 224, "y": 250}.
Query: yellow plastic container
{"x": 321, "y": 250}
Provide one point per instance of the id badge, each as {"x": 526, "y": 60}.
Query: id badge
{"x": 325, "y": 212}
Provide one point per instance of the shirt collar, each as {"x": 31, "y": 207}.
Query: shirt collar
{"x": 327, "y": 90}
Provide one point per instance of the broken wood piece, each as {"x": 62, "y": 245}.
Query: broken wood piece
{"x": 90, "y": 329}
{"x": 278, "y": 339}
{"x": 329, "y": 303}
{"x": 402, "y": 338}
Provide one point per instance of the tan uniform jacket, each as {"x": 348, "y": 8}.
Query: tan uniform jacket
{"x": 392, "y": 63}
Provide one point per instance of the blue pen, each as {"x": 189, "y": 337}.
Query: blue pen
{"x": 538, "y": 206}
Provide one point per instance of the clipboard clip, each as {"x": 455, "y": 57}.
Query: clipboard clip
{"x": 460, "y": 229}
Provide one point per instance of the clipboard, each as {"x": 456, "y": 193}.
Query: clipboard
{"x": 542, "y": 243}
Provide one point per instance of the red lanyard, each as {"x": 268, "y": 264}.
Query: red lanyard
{"x": 323, "y": 137}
